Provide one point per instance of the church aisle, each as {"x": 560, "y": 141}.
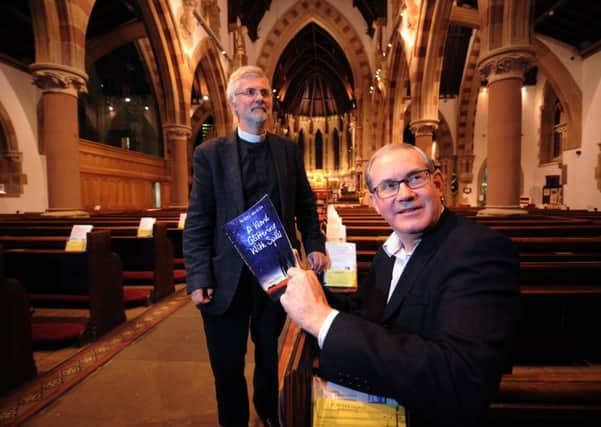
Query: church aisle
{"x": 162, "y": 379}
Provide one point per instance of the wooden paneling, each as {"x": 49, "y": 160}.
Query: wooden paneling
{"x": 120, "y": 179}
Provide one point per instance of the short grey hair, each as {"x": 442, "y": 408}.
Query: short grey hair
{"x": 389, "y": 148}
{"x": 241, "y": 73}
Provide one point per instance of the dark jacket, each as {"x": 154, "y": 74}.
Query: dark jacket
{"x": 442, "y": 343}
{"x": 217, "y": 196}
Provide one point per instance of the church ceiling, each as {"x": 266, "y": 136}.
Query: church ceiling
{"x": 318, "y": 80}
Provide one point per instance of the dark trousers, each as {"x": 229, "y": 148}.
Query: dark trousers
{"x": 227, "y": 337}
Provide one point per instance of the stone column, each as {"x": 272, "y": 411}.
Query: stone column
{"x": 424, "y": 132}
{"x": 505, "y": 75}
{"x": 178, "y": 137}
{"x": 59, "y": 132}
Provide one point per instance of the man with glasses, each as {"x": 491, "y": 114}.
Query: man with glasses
{"x": 432, "y": 325}
{"x": 230, "y": 175}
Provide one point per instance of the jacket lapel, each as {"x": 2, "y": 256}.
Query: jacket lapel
{"x": 231, "y": 173}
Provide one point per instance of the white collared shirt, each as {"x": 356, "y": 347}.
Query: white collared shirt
{"x": 394, "y": 247}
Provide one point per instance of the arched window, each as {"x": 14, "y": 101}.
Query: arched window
{"x": 207, "y": 131}
{"x": 408, "y": 137}
{"x": 301, "y": 142}
{"x": 11, "y": 167}
{"x": 349, "y": 149}
{"x": 558, "y": 130}
{"x": 336, "y": 141}
{"x": 318, "y": 150}
{"x": 120, "y": 108}
{"x": 553, "y": 127}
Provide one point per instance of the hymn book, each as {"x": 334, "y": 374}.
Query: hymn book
{"x": 261, "y": 240}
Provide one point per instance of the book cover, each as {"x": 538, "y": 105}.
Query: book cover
{"x": 261, "y": 240}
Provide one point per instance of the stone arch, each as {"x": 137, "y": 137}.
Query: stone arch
{"x": 426, "y": 62}
{"x": 206, "y": 57}
{"x": 468, "y": 101}
{"x": 59, "y": 31}
{"x": 398, "y": 80}
{"x": 171, "y": 65}
{"x": 11, "y": 161}
{"x": 330, "y": 19}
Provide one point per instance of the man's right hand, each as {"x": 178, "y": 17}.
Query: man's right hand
{"x": 305, "y": 301}
{"x": 202, "y": 296}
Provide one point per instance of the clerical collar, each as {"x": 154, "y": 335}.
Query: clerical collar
{"x": 251, "y": 137}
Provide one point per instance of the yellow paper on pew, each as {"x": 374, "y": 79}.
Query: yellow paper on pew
{"x": 341, "y": 278}
{"x": 146, "y": 226}
{"x": 78, "y": 238}
{"x": 335, "y": 405}
{"x": 334, "y": 412}
{"x": 343, "y": 268}
{"x": 182, "y": 221}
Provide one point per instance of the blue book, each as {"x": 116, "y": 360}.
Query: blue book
{"x": 261, "y": 240}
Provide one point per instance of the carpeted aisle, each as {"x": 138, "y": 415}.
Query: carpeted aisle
{"x": 152, "y": 371}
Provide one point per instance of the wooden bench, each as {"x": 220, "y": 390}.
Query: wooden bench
{"x": 146, "y": 260}
{"x": 548, "y": 396}
{"x": 120, "y": 223}
{"x": 528, "y": 396}
{"x": 93, "y": 278}
{"x": 16, "y": 356}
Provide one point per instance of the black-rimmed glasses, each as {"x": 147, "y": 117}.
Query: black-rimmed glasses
{"x": 252, "y": 92}
{"x": 390, "y": 188}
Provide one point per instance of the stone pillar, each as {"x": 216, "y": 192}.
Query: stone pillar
{"x": 505, "y": 75}
{"x": 424, "y": 132}
{"x": 178, "y": 137}
{"x": 59, "y": 132}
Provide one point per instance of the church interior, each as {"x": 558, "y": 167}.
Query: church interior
{"x": 102, "y": 103}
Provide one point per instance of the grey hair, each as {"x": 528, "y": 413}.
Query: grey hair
{"x": 389, "y": 148}
{"x": 241, "y": 73}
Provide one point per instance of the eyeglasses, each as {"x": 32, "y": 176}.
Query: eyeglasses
{"x": 390, "y": 188}
{"x": 252, "y": 92}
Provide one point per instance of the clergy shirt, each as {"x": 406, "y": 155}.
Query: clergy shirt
{"x": 257, "y": 168}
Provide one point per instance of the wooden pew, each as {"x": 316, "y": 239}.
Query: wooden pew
{"x": 16, "y": 356}
{"x": 92, "y": 277}
{"x": 548, "y": 396}
{"x": 146, "y": 260}
{"x": 529, "y": 396}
